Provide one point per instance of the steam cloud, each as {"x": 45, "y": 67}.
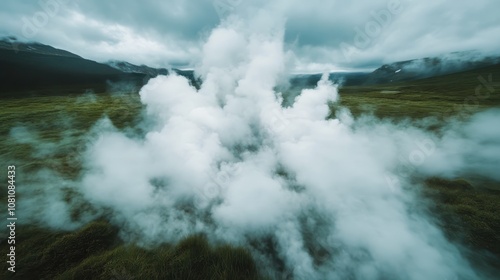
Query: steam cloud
{"x": 311, "y": 197}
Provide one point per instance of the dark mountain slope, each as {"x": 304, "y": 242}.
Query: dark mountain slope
{"x": 421, "y": 68}
{"x": 37, "y": 65}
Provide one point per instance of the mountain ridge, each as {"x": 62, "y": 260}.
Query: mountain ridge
{"x": 27, "y": 65}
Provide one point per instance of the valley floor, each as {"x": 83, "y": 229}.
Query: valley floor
{"x": 467, "y": 208}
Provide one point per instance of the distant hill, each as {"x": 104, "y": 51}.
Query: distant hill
{"x": 403, "y": 71}
{"x": 153, "y": 72}
{"x": 33, "y": 65}
{"x": 429, "y": 67}
{"x": 11, "y": 43}
{"x": 343, "y": 78}
{"x": 26, "y": 66}
{"x": 138, "y": 69}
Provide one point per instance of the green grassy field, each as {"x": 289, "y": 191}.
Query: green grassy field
{"x": 95, "y": 252}
{"x": 440, "y": 97}
{"x": 468, "y": 212}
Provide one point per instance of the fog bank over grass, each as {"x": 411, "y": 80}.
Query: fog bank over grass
{"x": 311, "y": 197}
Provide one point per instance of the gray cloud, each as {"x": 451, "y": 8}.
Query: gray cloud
{"x": 323, "y": 35}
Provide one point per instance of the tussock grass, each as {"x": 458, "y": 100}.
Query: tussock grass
{"x": 60, "y": 122}
{"x": 96, "y": 252}
{"x": 468, "y": 214}
{"x": 192, "y": 258}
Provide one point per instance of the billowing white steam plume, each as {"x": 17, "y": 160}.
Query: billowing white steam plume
{"x": 311, "y": 198}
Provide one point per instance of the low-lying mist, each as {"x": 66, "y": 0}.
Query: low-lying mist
{"x": 311, "y": 197}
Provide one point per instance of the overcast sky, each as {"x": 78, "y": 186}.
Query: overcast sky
{"x": 323, "y": 35}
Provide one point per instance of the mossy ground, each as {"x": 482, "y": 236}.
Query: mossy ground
{"x": 468, "y": 213}
{"x": 95, "y": 252}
